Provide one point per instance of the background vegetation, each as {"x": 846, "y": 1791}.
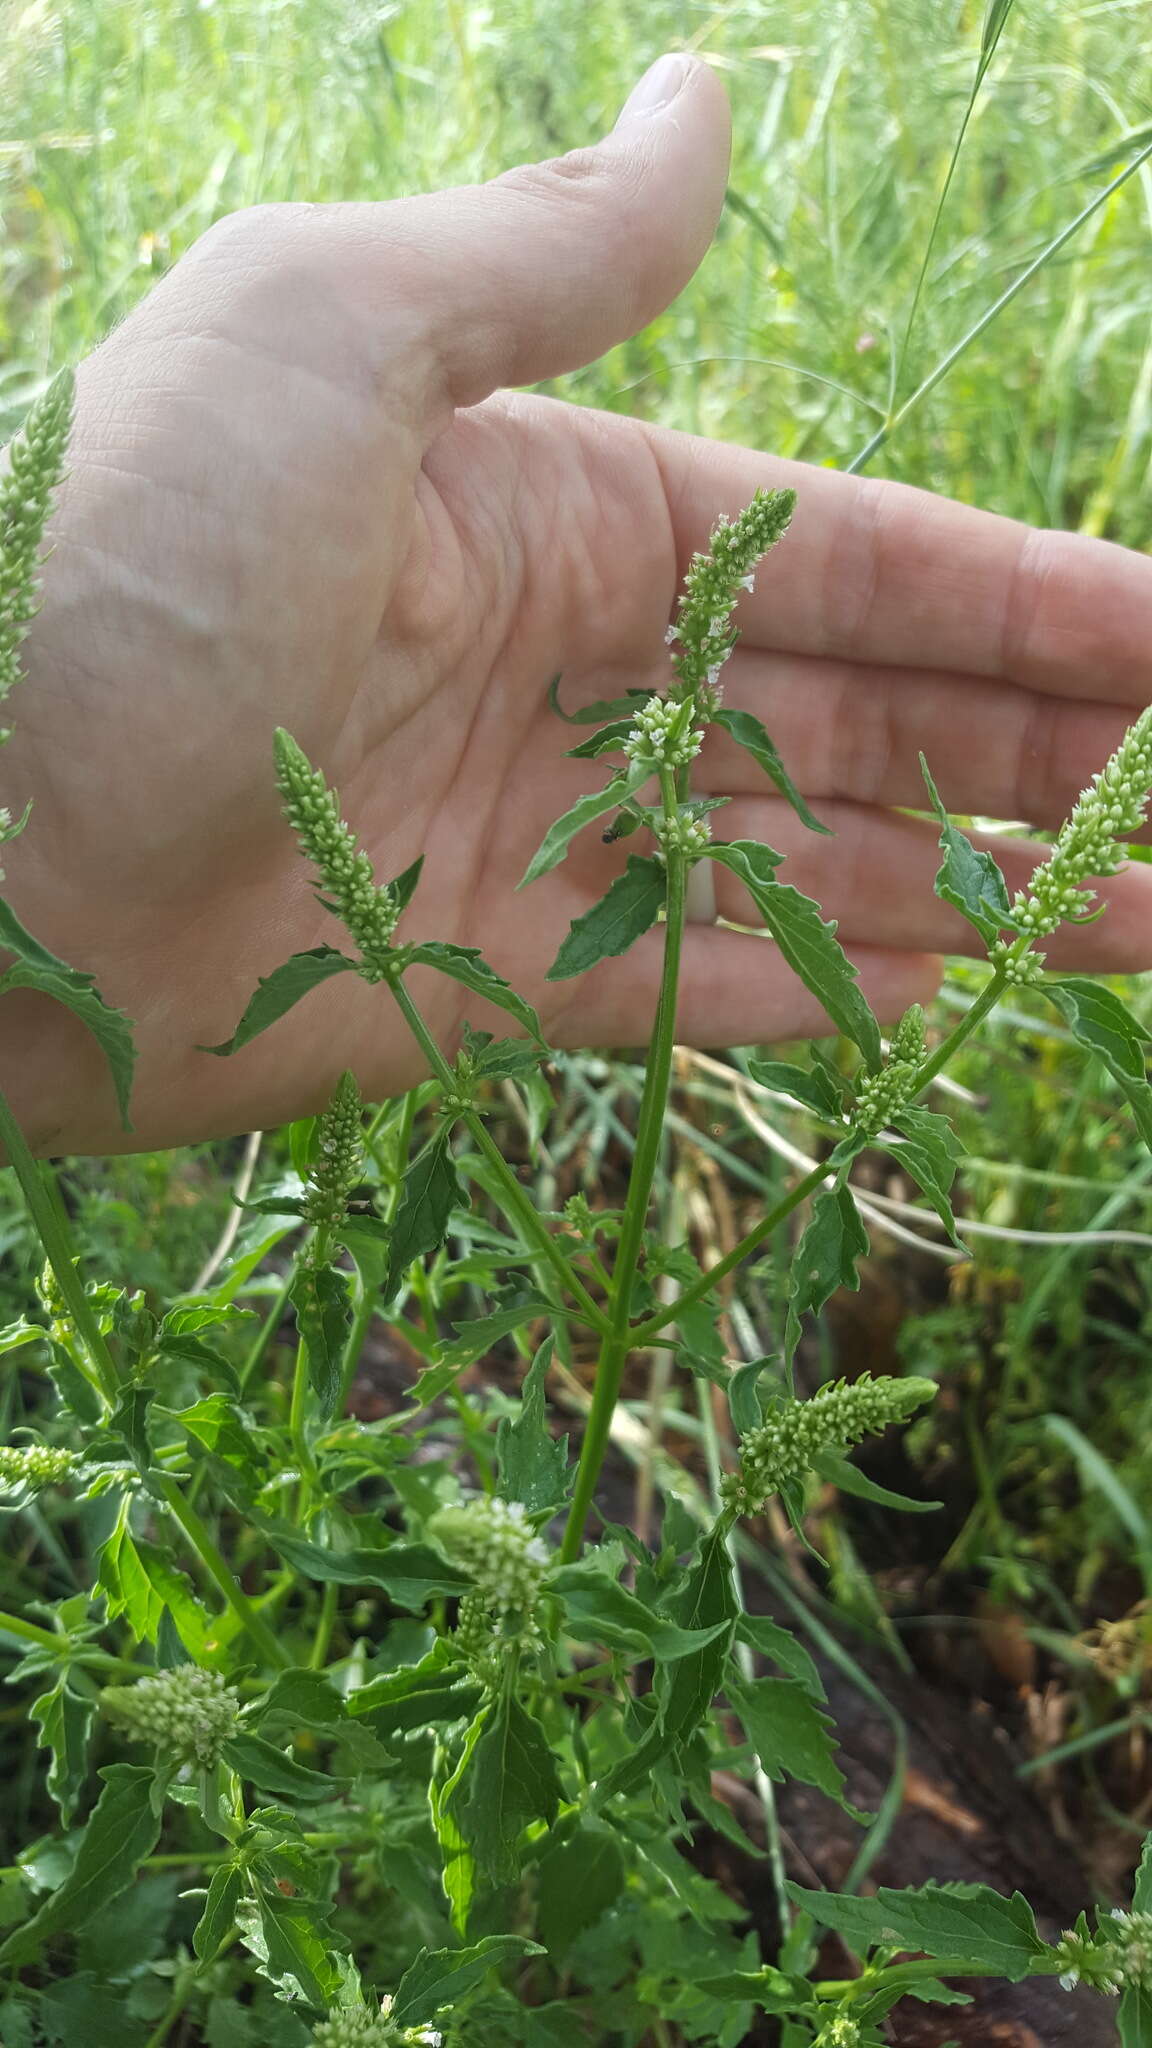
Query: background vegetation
{"x": 126, "y": 128}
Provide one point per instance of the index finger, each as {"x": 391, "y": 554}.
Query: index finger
{"x": 882, "y": 572}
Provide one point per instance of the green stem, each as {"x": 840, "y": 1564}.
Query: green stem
{"x": 619, "y": 1340}
{"x": 644, "y": 1332}
{"x": 70, "y": 1653}
{"x": 324, "y": 1627}
{"x": 517, "y": 1203}
{"x": 99, "y": 1369}
{"x": 196, "y": 1534}
{"x": 989, "y": 996}
{"x": 369, "y": 1296}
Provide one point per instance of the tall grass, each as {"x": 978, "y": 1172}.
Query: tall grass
{"x": 126, "y": 128}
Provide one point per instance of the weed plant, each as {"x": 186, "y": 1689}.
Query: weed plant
{"x": 360, "y": 1735}
{"x": 544, "y": 1703}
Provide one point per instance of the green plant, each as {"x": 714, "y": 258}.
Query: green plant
{"x": 506, "y": 1742}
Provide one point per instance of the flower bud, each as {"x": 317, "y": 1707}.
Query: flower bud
{"x": 339, "y": 1162}
{"x": 794, "y": 1433}
{"x": 187, "y": 1713}
{"x": 35, "y": 467}
{"x": 368, "y": 912}
{"x": 35, "y": 1465}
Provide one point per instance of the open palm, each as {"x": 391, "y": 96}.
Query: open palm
{"x": 301, "y": 495}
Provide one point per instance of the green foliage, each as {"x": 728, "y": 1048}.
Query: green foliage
{"x": 629, "y": 909}
{"x": 413, "y": 1754}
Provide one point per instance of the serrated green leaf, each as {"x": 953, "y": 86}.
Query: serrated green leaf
{"x": 532, "y": 1463}
{"x": 280, "y": 991}
{"x": 790, "y": 1735}
{"x": 929, "y": 1150}
{"x": 1102, "y": 1024}
{"x": 436, "y": 1691}
{"x": 432, "y": 1191}
{"x": 968, "y": 879}
{"x": 598, "y": 1610}
{"x": 706, "y": 1601}
{"x": 748, "y": 732}
{"x": 554, "y": 846}
{"x": 410, "y": 1573}
{"x": 120, "y": 1833}
{"x": 781, "y": 1647}
{"x": 510, "y": 1781}
{"x": 466, "y": 964}
{"x": 458, "y": 1869}
{"x": 809, "y": 945}
{"x": 286, "y": 1936}
{"x": 967, "y": 1921}
{"x": 304, "y": 1697}
{"x": 629, "y": 908}
{"x": 111, "y": 1029}
{"x": 477, "y": 1335}
{"x": 321, "y": 1299}
{"x": 219, "y": 1914}
{"x": 125, "y": 1581}
{"x": 744, "y": 1403}
{"x": 64, "y": 1719}
{"x": 808, "y": 1085}
{"x": 443, "y": 1976}
{"x": 218, "y": 1424}
{"x": 825, "y": 1256}
{"x": 507, "y": 1059}
{"x": 367, "y": 1239}
{"x": 580, "y": 1878}
{"x": 275, "y": 1772}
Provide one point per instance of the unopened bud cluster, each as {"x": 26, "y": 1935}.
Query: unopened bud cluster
{"x": 712, "y": 587}
{"x": 35, "y": 467}
{"x": 1119, "y": 1959}
{"x": 358, "y": 2028}
{"x": 34, "y": 1465}
{"x": 795, "y": 1433}
{"x": 682, "y": 834}
{"x": 187, "y": 1713}
{"x": 1110, "y": 811}
{"x": 494, "y": 1542}
{"x": 1020, "y": 970}
{"x": 368, "y": 912}
{"x": 663, "y": 733}
{"x": 339, "y": 1162}
{"x": 838, "y": 2032}
{"x": 880, "y": 1095}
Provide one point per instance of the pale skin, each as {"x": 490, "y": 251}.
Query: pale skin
{"x": 304, "y": 492}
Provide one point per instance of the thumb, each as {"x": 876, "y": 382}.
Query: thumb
{"x": 548, "y": 266}
{"x": 508, "y": 283}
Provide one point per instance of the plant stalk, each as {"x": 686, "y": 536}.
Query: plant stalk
{"x": 100, "y": 1370}
{"x": 515, "y": 1199}
{"x": 196, "y": 1534}
{"x": 620, "y": 1339}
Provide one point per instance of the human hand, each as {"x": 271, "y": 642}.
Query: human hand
{"x": 301, "y": 495}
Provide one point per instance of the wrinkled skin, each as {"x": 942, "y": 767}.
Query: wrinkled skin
{"x": 301, "y": 493}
